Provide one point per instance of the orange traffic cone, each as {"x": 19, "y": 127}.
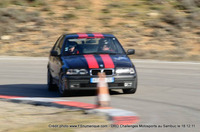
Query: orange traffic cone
{"x": 103, "y": 96}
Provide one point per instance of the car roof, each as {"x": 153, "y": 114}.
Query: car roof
{"x": 88, "y": 35}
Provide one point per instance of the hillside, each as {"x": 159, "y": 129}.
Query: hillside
{"x": 157, "y": 29}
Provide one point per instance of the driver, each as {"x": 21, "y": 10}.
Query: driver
{"x": 105, "y": 46}
{"x": 72, "y": 49}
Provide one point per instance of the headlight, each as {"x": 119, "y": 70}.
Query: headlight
{"x": 125, "y": 71}
{"x": 76, "y": 72}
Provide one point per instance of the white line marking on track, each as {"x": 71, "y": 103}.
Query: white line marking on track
{"x": 22, "y": 58}
{"x": 167, "y": 62}
{"x": 39, "y": 99}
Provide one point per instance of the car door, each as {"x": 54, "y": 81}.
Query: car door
{"x": 55, "y": 63}
{"x": 57, "y": 60}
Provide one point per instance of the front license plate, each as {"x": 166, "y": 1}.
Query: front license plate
{"x": 96, "y": 80}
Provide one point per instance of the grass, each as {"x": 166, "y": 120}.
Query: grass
{"x": 145, "y": 20}
{"x": 32, "y": 3}
{"x": 69, "y": 16}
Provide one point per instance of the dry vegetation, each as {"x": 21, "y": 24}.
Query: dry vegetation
{"x": 16, "y": 117}
{"x": 157, "y": 29}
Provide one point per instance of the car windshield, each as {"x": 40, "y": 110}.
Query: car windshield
{"x": 108, "y": 45}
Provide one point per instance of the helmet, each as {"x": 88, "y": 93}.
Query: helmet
{"x": 72, "y": 44}
{"x": 103, "y": 42}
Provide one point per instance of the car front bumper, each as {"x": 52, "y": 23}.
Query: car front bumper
{"x": 83, "y": 82}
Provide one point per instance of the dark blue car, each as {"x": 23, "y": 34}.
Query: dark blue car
{"x": 76, "y": 59}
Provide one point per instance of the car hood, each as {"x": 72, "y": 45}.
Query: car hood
{"x": 96, "y": 61}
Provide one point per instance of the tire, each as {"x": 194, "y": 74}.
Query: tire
{"x": 63, "y": 90}
{"x": 50, "y": 85}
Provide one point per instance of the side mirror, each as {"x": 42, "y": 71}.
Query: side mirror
{"x": 54, "y": 53}
{"x": 130, "y": 52}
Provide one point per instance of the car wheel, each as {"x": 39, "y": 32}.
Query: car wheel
{"x": 63, "y": 90}
{"x": 50, "y": 85}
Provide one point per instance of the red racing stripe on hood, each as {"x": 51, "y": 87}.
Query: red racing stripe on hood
{"x": 82, "y": 35}
{"x": 91, "y": 60}
{"x": 107, "y": 60}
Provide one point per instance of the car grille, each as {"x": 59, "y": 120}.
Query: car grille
{"x": 94, "y": 72}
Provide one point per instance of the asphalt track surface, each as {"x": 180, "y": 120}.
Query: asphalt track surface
{"x": 168, "y": 92}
